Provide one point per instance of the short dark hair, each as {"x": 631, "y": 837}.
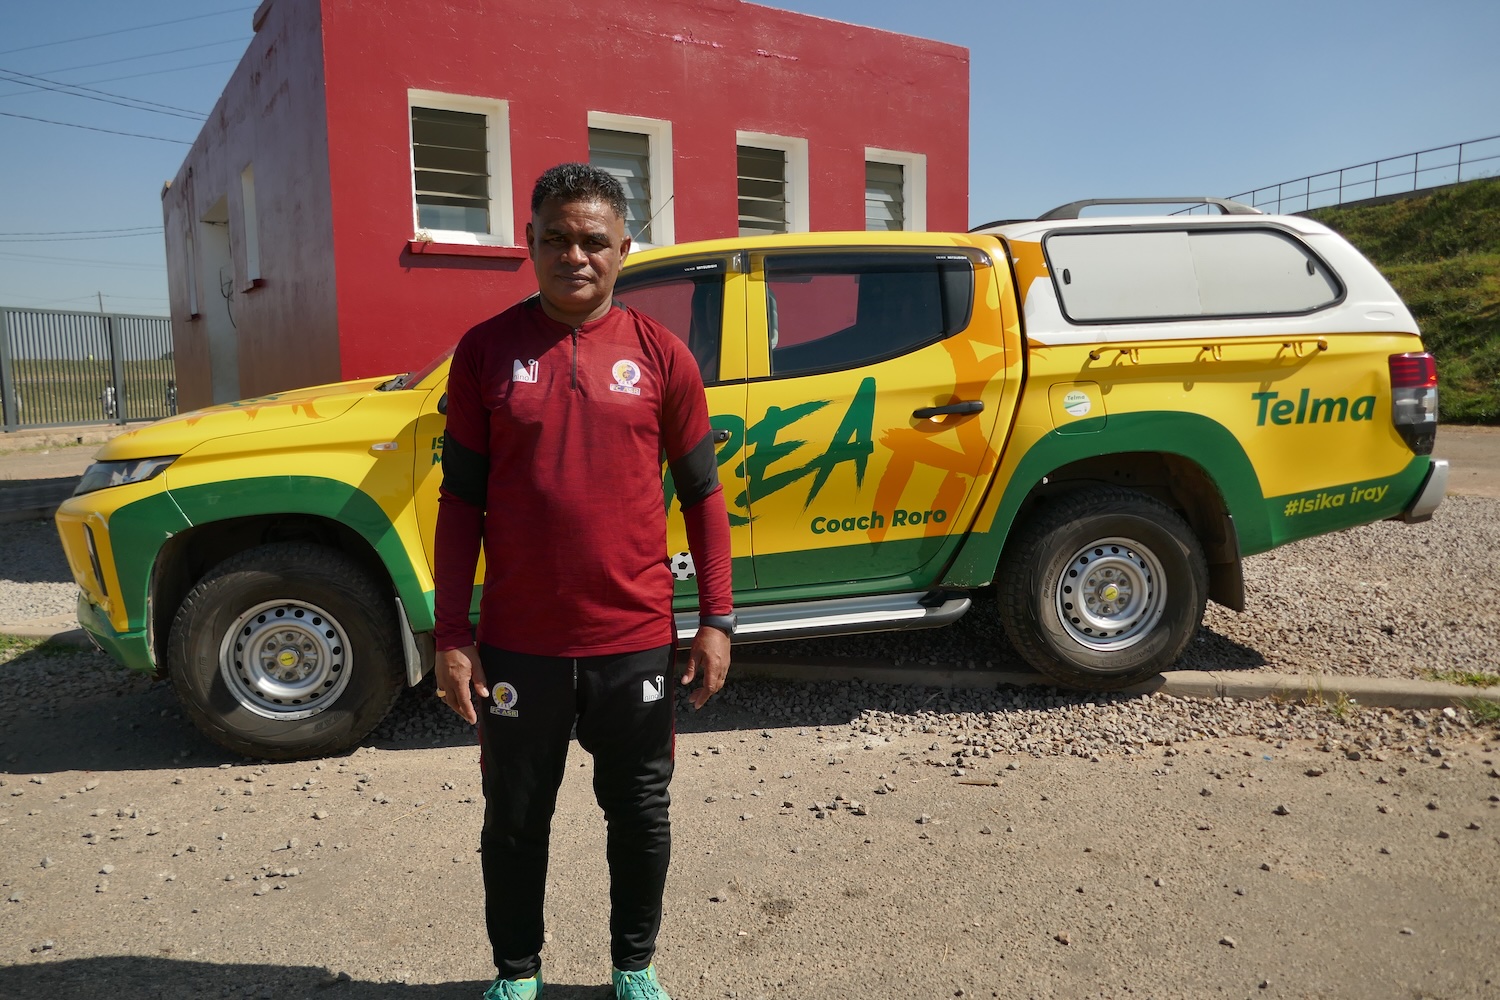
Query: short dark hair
{"x": 578, "y": 182}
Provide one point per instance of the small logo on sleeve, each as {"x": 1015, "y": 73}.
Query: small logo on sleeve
{"x": 524, "y": 371}
{"x": 505, "y": 697}
{"x": 653, "y": 691}
{"x": 626, "y": 374}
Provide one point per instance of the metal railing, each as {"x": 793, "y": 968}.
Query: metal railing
{"x": 63, "y": 369}
{"x": 1428, "y": 168}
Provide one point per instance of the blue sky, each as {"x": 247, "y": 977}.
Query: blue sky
{"x": 1067, "y": 100}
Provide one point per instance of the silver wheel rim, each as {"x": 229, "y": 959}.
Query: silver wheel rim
{"x": 1111, "y": 594}
{"x": 285, "y": 660}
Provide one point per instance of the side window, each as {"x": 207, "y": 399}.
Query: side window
{"x": 687, "y": 299}
{"x": 828, "y": 311}
{"x": 1186, "y": 274}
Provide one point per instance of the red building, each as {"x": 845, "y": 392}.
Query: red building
{"x": 359, "y": 194}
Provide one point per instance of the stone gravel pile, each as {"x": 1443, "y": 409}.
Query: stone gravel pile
{"x": 34, "y": 578}
{"x": 969, "y": 724}
{"x": 1384, "y": 600}
{"x": 1381, "y": 600}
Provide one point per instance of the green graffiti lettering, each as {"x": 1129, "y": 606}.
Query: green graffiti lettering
{"x": 852, "y": 442}
{"x": 765, "y": 449}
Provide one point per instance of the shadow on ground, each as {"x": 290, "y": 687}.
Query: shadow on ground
{"x": 136, "y": 978}
{"x": 68, "y": 709}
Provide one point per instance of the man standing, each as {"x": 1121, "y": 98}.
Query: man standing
{"x": 559, "y": 412}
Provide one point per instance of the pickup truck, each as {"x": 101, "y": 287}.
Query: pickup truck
{"x": 1101, "y": 417}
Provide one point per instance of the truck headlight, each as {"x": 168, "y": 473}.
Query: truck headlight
{"x": 102, "y": 475}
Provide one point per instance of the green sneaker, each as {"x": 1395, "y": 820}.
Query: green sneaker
{"x": 515, "y": 989}
{"x": 638, "y": 985}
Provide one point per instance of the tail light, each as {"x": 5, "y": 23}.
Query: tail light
{"x": 1414, "y": 400}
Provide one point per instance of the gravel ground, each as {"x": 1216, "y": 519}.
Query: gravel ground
{"x": 1381, "y": 600}
{"x": 34, "y": 577}
{"x": 831, "y": 841}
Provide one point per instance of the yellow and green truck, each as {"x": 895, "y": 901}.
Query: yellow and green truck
{"x": 1098, "y": 417}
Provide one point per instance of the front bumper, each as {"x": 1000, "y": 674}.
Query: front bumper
{"x": 1433, "y": 491}
{"x": 132, "y": 649}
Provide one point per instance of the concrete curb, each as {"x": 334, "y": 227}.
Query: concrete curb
{"x": 1367, "y": 692}
{"x": 1370, "y": 692}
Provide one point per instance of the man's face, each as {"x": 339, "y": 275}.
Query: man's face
{"x": 576, "y": 248}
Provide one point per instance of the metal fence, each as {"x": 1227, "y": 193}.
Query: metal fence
{"x": 1429, "y": 168}
{"x": 63, "y": 369}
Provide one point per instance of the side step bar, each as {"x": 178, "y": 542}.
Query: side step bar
{"x": 846, "y": 616}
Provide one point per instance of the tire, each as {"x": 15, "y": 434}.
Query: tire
{"x": 329, "y": 665}
{"x": 1103, "y": 589}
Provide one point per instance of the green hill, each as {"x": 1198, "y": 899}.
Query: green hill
{"x": 1441, "y": 252}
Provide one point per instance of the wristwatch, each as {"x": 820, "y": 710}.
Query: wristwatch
{"x": 724, "y": 623}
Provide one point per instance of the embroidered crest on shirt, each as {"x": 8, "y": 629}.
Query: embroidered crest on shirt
{"x": 524, "y": 371}
{"x": 626, "y": 374}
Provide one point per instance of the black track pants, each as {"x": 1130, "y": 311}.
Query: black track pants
{"x": 624, "y": 709}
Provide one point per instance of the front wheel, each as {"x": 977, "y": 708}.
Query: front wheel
{"x": 283, "y": 652}
{"x": 1103, "y": 588}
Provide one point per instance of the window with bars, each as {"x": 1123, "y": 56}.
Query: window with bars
{"x": 450, "y": 163}
{"x": 885, "y": 196}
{"x": 626, "y": 156}
{"x": 762, "y": 190}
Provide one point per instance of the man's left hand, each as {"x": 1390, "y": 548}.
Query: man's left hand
{"x": 708, "y": 661}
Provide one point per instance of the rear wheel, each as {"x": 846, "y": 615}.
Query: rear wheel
{"x": 283, "y": 652}
{"x": 1102, "y": 589}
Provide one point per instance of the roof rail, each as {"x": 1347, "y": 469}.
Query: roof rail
{"x": 1073, "y": 208}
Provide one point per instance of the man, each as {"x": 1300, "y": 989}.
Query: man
{"x": 559, "y": 411}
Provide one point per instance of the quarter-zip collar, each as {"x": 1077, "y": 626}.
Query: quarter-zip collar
{"x": 572, "y": 332}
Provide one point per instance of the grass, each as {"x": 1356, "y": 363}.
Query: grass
{"x": 1482, "y": 711}
{"x": 69, "y": 390}
{"x": 1441, "y": 252}
{"x": 1468, "y": 678}
{"x": 10, "y": 644}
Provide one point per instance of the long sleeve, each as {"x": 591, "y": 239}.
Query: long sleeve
{"x": 461, "y": 502}
{"x": 707, "y": 524}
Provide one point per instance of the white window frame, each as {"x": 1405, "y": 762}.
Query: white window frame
{"x": 497, "y": 139}
{"x": 913, "y": 183}
{"x": 658, "y": 133}
{"x": 799, "y": 212}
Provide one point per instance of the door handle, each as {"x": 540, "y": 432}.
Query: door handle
{"x": 963, "y": 406}
{"x": 720, "y": 436}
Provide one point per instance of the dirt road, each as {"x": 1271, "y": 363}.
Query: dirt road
{"x": 812, "y": 859}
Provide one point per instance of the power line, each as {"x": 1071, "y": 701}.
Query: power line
{"x": 70, "y": 90}
{"x": 121, "y": 31}
{"x": 81, "y": 232}
{"x": 134, "y": 135}
{"x": 80, "y": 261}
{"x": 149, "y": 55}
{"x": 136, "y": 76}
{"x": 72, "y": 239}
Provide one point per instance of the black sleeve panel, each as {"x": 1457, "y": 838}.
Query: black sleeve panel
{"x": 465, "y": 472}
{"x": 695, "y": 474}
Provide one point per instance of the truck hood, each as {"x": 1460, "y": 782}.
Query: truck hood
{"x": 296, "y": 408}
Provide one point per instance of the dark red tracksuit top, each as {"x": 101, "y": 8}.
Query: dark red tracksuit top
{"x": 553, "y": 453}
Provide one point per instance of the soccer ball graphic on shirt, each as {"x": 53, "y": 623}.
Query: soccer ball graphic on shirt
{"x": 682, "y": 566}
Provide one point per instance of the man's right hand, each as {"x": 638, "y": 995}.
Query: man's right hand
{"x": 458, "y": 673}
